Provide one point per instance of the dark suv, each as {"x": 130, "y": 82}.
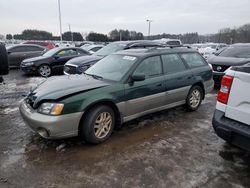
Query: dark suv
{"x": 234, "y": 55}
{"x": 80, "y": 64}
{"x": 120, "y": 87}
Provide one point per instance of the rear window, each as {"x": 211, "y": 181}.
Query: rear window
{"x": 174, "y": 42}
{"x": 193, "y": 59}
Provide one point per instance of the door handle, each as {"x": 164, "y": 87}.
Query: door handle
{"x": 159, "y": 85}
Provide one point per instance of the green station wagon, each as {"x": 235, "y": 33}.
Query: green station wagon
{"x": 121, "y": 87}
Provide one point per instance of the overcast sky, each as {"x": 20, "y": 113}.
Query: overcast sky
{"x": 169, "y": 16}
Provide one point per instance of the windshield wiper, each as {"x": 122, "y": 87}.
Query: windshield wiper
{"x": 94, "y": 76}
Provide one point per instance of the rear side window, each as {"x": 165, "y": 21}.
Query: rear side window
{"x": 193, "y": 59}
{"x": 172, "y": 63}
{"x": 150, "y": 67}
{"x": 33, "y": 48}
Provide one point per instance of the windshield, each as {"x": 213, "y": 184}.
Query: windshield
{"x": 241, "y": 52}
{"x": 51, "y": 52}
{"x": 112, "y": 67}
{"x": 109, "y": 49}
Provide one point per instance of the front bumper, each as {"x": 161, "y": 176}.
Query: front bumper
{"x": 217, "y": 76}
{"x": 52, "y": 127}
{"x": 28, "y": 69}
{"x": 231, "y": 131}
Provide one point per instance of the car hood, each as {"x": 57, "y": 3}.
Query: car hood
{"x": 229, "y": 61}
{"x": 58, "y": 87}
{"x": 39, "y": 58}
{"x": 83, "y": 60}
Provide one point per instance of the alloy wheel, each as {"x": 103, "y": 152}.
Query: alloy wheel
{"x": 103, "y": 125}
{"x": 44, "y": 70}
{"x": 195, "y": 98}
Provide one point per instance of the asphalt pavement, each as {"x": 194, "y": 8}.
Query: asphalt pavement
{"x": 173, "y": 148}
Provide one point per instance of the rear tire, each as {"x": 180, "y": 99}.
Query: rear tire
{"x": 97, "y": 125}
{"x": 194, "y": 98}
{"x": 44, "y": 70}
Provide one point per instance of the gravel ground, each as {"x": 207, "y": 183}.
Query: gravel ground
{"x": 173, "y": 148}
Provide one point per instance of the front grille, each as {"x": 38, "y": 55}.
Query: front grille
{"x": 220, "y": 68}
{"x": 70, "y": 69}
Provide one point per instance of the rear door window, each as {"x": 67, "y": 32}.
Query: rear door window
{"x": 193, "y": 59}
{"x": 172, "y": 63}
{"x": 33, "y": 49}
{"x": 150, "y": 67}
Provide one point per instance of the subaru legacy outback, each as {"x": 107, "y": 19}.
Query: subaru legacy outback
{"x": 120, "y": 87}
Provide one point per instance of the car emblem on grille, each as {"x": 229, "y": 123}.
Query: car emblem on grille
{"x": 219, "y": 68}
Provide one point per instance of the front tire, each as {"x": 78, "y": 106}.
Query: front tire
{"x": 97, "y": 125}
{"x": 194, "y": 98}
{"x": 44, "y": 70}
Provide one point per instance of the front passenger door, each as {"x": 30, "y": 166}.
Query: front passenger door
{"x": 62, "y": 57}
{"x": 148, "y": 94}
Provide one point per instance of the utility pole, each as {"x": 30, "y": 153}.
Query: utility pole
{"x": 149, "y": 27}
{"x": 71, "y": 33}
{"x": 120, "y": 35}
{"x": 60, "y": 19}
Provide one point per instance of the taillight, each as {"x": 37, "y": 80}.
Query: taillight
{"x": 224, "y": 92}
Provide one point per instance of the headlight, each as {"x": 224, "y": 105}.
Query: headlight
{"x": 29, "y": 63}
{"x": 83, "y": 68}
{"x": 54, "y": 109}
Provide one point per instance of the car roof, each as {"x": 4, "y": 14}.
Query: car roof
{"x": 27, "y": 45}
{"x": 241, "y": 45}
{"x": 154, "y": 51}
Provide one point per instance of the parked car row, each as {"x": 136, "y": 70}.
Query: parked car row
{"x": 81, "y": 64}
{"x": 208, "y": 49}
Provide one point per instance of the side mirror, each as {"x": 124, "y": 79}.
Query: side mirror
{"x": 9, "y": 52}
{"x": 137, "y": 77}
{"x": 56, "y": 57}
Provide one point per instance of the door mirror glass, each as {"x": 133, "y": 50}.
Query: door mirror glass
{"x": 138, "y": 77}
{"x": 56, "y": 56}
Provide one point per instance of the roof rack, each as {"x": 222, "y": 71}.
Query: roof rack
{"x": 179, "y": 46}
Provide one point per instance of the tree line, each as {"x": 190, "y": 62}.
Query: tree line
{"x": 29, "y": 34}
{"x": 114, "y": 35}
{"x": 226, "y": 35}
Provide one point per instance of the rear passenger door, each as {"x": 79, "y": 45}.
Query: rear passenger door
{"x": 178, "y": 78}
{"x": 148, "y": 94}
{"x": 34, "y": 51}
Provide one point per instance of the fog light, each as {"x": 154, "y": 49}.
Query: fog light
{"x": 43, "y": 133}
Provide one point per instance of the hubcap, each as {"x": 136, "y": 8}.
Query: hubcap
{"x": 195, "y": 98}
{"x": 44, "y": 70}
{"x": 103, "y": 125}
